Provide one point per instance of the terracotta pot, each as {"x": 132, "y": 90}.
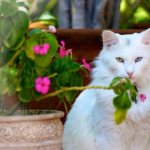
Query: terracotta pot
{"x": 32, "y": 132}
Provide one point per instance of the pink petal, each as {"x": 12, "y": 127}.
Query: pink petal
{"x": 52, "y": 29}
{"x": 43, "y": 51}
{"x": 142, "y": 97}
{"x": 38, "y": 87}
{"x": 45, "y": 89}
{"x": 46, "y": 81}
{"x": 38, "y": 80}
{"x": 69, "y": 51}
{"x": 86, "y": 65}
{"x": 62, "y": 43}
{"x": 46, "y": 46}
{"x": 36, "y": 49}
{"x": 61, "y": 53}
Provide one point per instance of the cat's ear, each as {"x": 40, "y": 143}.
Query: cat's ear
{"x": 109, "y": 38}
{"x": 146, "y": 37}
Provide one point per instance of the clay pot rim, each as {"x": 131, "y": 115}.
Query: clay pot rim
{"x": 54, "y": 114}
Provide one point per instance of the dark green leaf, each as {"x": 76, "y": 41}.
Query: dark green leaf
{"x": 122, "y": 101}
{"x": 28, "y": 82}
{"x": 5, "y": 56}
{"x": 70, "y": 96}
{"x": 25, "y": 96}
{"x": 117, "y": 90}
{"x": 133, "y": 94}
{"x": 64, "y": 78}
{"x": 76, "y": 80}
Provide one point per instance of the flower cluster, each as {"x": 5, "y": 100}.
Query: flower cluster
{"x": 62, "y": 51}
{"x": 42, "y": 85}
{"x": 35, "y": 63}
{"x": 41, "y": 49}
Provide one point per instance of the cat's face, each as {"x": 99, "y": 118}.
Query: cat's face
{"x": 127, "y": 55}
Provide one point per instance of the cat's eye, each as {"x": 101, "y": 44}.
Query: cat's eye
{"x": 138, "y": 59}
{"x": 119, "y": 59}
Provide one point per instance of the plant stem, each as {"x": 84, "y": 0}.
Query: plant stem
{"x": 65, "y": 89}
{"x": 14, "y": 57}
{"x": 66, "y": 109}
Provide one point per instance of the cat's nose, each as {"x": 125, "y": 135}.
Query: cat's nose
{"x": 130, "y": 74}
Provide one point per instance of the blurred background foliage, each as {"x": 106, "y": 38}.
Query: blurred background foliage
{"x": 115, "y": 14}
{"x": 134, "y": 12}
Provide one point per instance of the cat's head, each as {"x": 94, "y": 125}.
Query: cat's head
{"x": 126, "y": 55}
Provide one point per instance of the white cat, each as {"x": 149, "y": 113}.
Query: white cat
{"x": 90, "y": 124}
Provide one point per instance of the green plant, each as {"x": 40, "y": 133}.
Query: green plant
{"x": 34, "y": 65}
{"x": 33, "y": 62}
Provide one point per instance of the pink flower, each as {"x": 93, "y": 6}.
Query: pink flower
{"x": 41, "y": 49}
{"x": 42, "y": 85}
{"x": 142, "y": 97}
{"x": 86, "y": 65}
{"x": 62, "y": 51}
{"x": 52, "y": 29}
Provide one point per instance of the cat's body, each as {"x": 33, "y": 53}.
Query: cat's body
{"x": 90, "y": 124}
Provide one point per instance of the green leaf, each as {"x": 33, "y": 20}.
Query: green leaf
{"x": 117, "y": 90}
{"x": 35, "y": 94}
{"x": 35, "y": 32}
{"x": 14, "y": 41}
{"x": 122, "y": 101}
{"x": 76, "y": 79}
{"x": 27, "y": 82}
{"x": 64, "y": 64}
{"x": 120, "y": 115}
{"x": 63, "y": 79}
{"x": 20, "y": 22}
{"x": 133, "y": 94}
{"x": 44, "y": 60}
{"x": 9, "y": 80}
{"x": 115, "y": 82}
{"x": 8, "y": 8}
{"x": 25, "y": 96}
{"x": 12, "y": 87}
{"x": 5, "y": 56}
{"x": 3, "y": 81}
{"x": 74, "y": 66}
{"x": 70, "y": 96}
{"x": 5, "y": 28}
{"x": 29, "y": 44}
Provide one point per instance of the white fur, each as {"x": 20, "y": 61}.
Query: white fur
{"x": 90, "y": 124}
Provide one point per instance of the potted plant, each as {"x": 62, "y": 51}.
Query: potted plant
{"x": 34, "y": 65}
